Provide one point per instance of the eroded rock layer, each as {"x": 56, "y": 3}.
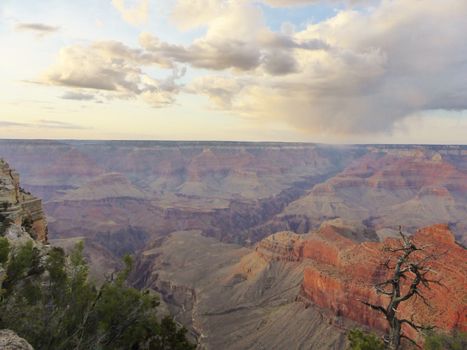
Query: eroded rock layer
{"x": 18, "y": 207}
{"x": 342, "y": 273}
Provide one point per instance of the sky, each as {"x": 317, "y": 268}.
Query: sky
{"x": 337, "y": 71}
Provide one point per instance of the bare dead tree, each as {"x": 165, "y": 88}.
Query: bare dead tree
{"x": 410, "y": 269}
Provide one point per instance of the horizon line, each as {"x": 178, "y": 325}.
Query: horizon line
{"x": 230, "y": 141}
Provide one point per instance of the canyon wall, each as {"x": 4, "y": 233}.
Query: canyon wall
{"x": 18, "y": 207}
{"x": 244, "y": 239}
{"x": 340, "y": 274}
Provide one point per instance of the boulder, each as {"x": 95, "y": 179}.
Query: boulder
{"x": 9, "y": 340}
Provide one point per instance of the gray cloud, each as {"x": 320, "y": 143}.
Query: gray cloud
{"x": 212, "y": 55}
{"x": 39, "y": 29}
{"x": 234, "y": 53}
{"x": 357, "y": 72}
{"x": 383, "y": 66}
{"x": 220, "y": 90}
{"x": 54, "y": 124}
{"x": 43, "y": 124}
{"x": 6, "y": 124}
{"x": 280, "y": 63}
{"x": 78, "y": 96}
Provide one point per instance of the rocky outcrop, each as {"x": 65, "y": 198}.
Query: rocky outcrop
{"x": 417, "y": 186}
{"x": 9, "y": 340}
{"x": 281, "y": 246}
{"x": 340, "y": 273}
{"x": 230, "y": 297}
{"x": 18, "y": 207}
{"x": 111, "y": 185}
{"x": 235, "y": 297}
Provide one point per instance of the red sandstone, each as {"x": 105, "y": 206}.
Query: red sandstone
{"x": 341, "y": 273}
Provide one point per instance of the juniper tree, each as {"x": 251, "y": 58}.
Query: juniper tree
{"x": 409, "y": 268}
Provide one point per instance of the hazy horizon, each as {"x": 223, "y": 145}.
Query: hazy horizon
{"x": 230, "y": 141}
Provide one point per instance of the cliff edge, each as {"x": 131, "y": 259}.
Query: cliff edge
{"x": 19, "y": 210}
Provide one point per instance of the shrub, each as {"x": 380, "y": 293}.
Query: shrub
{"x": 49, "y": 301}
{"x": 438, "y": 341}
{"x": 360, "y": 340}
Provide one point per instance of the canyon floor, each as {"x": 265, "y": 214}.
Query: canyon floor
{"x": 220, "y": 229}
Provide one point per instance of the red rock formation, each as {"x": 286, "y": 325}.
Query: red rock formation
{"x": 341, "y": 273}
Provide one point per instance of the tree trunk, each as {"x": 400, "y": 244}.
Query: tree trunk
{"x": 394, "y": 334}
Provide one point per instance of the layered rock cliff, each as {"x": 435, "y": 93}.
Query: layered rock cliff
{"x": 417, "y": 186}
{"x": 231, "y": 297}
{"x": 340, "y": 273}
{"x": 18, "y": 207}
{"x": 311, "y": 285}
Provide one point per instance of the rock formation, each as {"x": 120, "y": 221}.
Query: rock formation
{"x": 9, "y": 340}
{"x": 233, "y": 297}
{"x": 231, "y": 234}
{"x": 386, "y": 187}
{"x": 18, "y": 207}
{"x": 341, "y": 274}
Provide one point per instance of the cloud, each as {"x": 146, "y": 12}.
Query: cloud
{"x": 358, "y": 72}
{"x": 280, "y": 3}
{"x": 286, "y": 3}
{"x": 220, "y": 90}
{"x": 217, "y": 55}
{"x": 43, "y": 124}
{"x": 39, "y": 29}
{"x": 189, "y": 14}
{"x": 136, "y": 14}
{"x": 377, "y": 67}
{"x": 78, "y": 96}
{"x": 236, "y": 38}
{"x": 114, "y": 69}
{"x": 7, "y": 124}
{"x": 89, "y": 67}
{"x": 54, "y": 124}
{"x": 119, "y": 71}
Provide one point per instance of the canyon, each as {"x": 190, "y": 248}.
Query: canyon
{"x": 309, "y": 287}
{"x": 246, "y": 242}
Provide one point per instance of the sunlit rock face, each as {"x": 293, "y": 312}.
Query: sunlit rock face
{"x": 18, "y": 207}
{"x": 340, "y": 273}
{"x": 310, "y": 285}
{"x": 341, "y": 279}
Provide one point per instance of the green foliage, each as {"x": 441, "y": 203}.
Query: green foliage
{"x": 454, "y": 341}
{"x": 50, "y": 301}
{"x": 4, "y": 250}
{"x": 5, "y": 223}
{"x": 27, "y": 224}
{"x": 360, "y": 340}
